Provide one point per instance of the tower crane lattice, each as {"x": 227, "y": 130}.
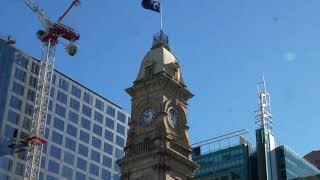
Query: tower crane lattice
{"x": 49, "y": 37}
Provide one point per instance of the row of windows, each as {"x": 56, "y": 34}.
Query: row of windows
{"x": 6, "y": 165}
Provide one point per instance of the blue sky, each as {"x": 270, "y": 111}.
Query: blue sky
{"x": 224, "y": 47}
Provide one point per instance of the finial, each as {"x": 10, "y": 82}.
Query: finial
{"x": 160, "y": 39}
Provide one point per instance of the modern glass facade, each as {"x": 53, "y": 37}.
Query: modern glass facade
{"x": 293, "y": 167}
{"x": 231, "y": 163}
{"x": 86, "y": 133}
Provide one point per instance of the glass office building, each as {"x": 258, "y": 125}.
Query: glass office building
{"x": 86, "y": 133}
{"x": 291, "y": 166}
{"x": 232, "y": 163}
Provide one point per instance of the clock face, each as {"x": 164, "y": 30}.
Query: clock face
{"x": 173, "y": 117}
{"x": 148, "y": 116}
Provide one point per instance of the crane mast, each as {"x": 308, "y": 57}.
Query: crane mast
{"x": 49, "y": 37}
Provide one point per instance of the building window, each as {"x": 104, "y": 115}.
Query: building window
{"x": 106, "y": 174}
{"x": 76, "y": 91}
{"x": 33, "y": 81}
{"x": 97, "y": 129}
{"x": 62, "y": 97}
{"x": 55, "y": 152}
{"x": 68, "y": 158}
{"x": 119, "y": 153}
{"x": 35, "y": 68}
{"x": 67, "y": 172}
{"x": 20, "y": 75}
{"x": 87, "y": 98}
{"x": 95, "y": 156}
{"x": 6, "y": 164}
{"x": 15, "y": 102}
{"x": 73, "y": 117}
{"x": 94, "y": 169}
{"x": 85, "y": 123}
{"x": 107, "y": 161}
{"x": 72, "y": 130}
{"x": 51, "y": 178}
{"x": 10, "y": 132}
{"x": 50, "y": 105}
{"x": 99, "y": 104}
{"x": 74, "y": 104}
{"x": 83, "y": 150}
{"x": 107, "y": 148}
{"x": 98, "y": 117}
{"x": 119, "y": 141}
{"x": 53, "y": 167}
{"x": 52, "y": 90}
{"x": 84, "y": 136}
{"x": 82, "y": 164}
{"x": 13, "y": 117}
{"x": 111, "y": 111}
{"x": 63, "y": 84}
{"x": 60, "y": 110}
{"x": 109, "y": 123}
{"x": 56, "y": 138}
{"x": 28, "y": 109}
{"x": 19, "y": 169}
{"x": 23, "y": 62}
{"x": 108, "y": 135}
{"x": 31, "y": 96}
{"x": 96, "y": 142}
{"x": 18, "y": 88}
{"x": 80, "y": 176}
{"x": 22, "y": 155}
{"x": 121, "y": 129}
{"x": 86, "y": 110}
{"x": 43, "y": 163}
{"x": 70, "y": 144}
{"x": 121, "y": 117}
{"x": 58, "y": 123}
{"x": 148, "y": 72}
{"x": 26, "y": 123}
{"x": 54, "y": 77}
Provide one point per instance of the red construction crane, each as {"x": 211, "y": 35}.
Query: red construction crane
{"x": 49, "y": 36}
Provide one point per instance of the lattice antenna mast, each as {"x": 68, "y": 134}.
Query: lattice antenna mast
{"x": 49, "y": 37}
{"x": 263, "y": 115}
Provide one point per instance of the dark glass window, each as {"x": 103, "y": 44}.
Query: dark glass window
{"x": 95, "y": 156}
{"x": 31, "y": 96}
{"x": 6, "y": 164}
{"x": 15, "y": 102}
{"x": 108, "y": 135}
{"x": 51, "y": 177}
{"x": 119, "y": 153}
{"x": 19, "y": 74}
{"x": 106, "y": 174}
{"x": 97, "y": 129}
{"x": 63, "y": 84}
{"x": 99, "y": 104}
{"x": 82, "y": 164}
{"x": 74, "y": 104}
{"x": 109, "y": 123}
{"x": 10, "y": 132}
{"x": 121, "y": 129}
{"x": 28, "y": 109}
{"x": 86, "y": 110}
{"x": 23, "y": 62}
{"x": 73, "y": 117}
{"x": 94, "y": 169}
{"x": 56, "y": 137}
{"x": 13, "y": 117}
{"x": 60, "y": 110}
{"x": 62, "y": 97}
{"x": 53, "y": 167}
{"x": 17, "y": 88}
{"x": 83, "y": 150}
{"x": 58, "y": 123}
{"x": 35, "y": 68}
{"x": 84, "y": 136}
{"x": 50, "y": 105}
{"x": 98, "y": 117}
{"x": 111, "y": 111}
{"x": 72, "y": 130}
{"x": 19, "y": 169}
{"x": 54, "y": 77}
{"x": 85, "y": 123}
{"x": 52, "y": 90}
{"x": 33, "y": 81}
{"x": 26, "y": 123}
{"x": 43, "y": 162}
{"x": 22, "y": 155}
{"x": 76, "y": 91}
{"x": 67, "y": 172}
{"x": 80, "y": 176}
{"x": 107, "y": 161}
{"x": 70, "y": 144}
{"x": 121, "y": 117}
{"x": 108, "y": 148}
{"x": 119, "y": 141}
{"x": 68, "y": 157}
{"x": 55, "y": 152}
{"x": 96, "y": 142}
{"x": 87, "y": 98}
{"x": 48, "y": 119}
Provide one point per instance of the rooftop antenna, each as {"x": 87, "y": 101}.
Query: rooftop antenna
{"x": 263, "y": 114}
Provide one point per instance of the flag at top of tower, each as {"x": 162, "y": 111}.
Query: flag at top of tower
{"x": 152, "y": 5}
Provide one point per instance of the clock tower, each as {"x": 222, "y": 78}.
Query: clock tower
{"x": 158, "y": 145}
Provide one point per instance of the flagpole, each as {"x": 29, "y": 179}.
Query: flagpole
{"x": 161, "y": 16}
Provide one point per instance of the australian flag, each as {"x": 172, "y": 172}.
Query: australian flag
{"x": 152, "y": 5}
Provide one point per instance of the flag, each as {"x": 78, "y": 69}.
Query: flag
{"x": 151, "y": 4}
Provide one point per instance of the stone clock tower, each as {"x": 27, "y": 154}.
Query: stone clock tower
{"x": 158, "y": 146}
